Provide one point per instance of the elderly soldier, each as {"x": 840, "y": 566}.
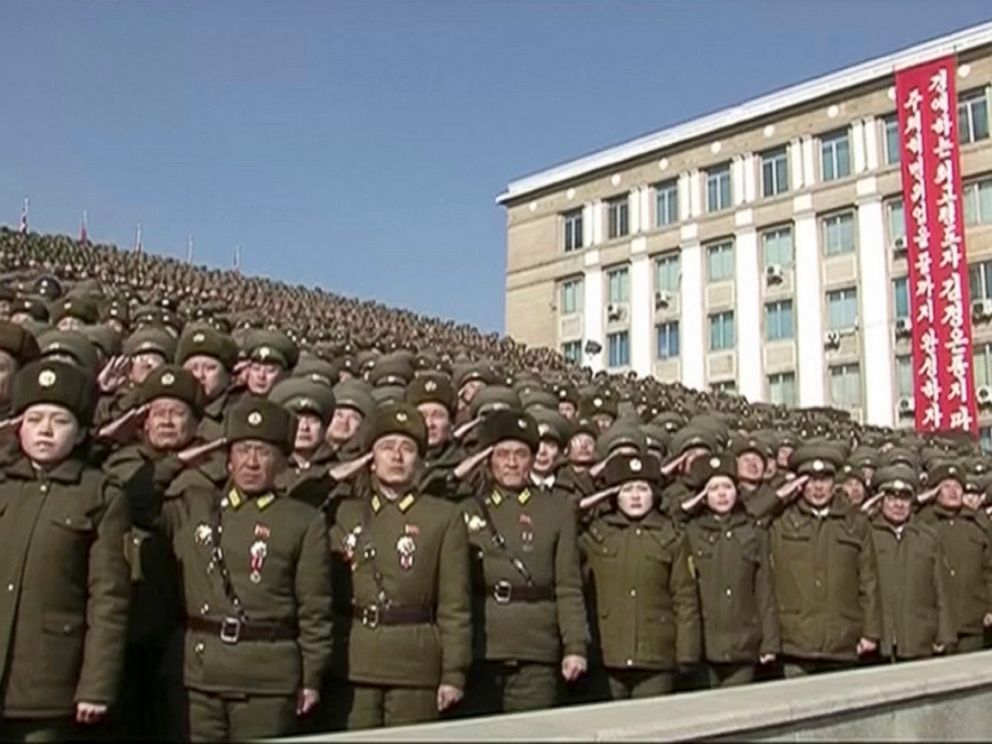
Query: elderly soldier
{"x": 64, "y": 615}
{"x": 307, "y": 477}
{"x": 530, "y": 623}
{"x": 826, "y": 577}
{"x": 256, "y": 582}
{"x": 916, "y": 602}
{"x": 737, "y": 592}
{"x": 640, "y": 586}
{"x": 968, "y": 552}
{"x": 210, "y": 356}
{"x": 404, "y": 640}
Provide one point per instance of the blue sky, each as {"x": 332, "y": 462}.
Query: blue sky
{"x": 360, "y": 145}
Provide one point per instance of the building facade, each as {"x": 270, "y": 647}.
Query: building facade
{"x": 760, "y": 249}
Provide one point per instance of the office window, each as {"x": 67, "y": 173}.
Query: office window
{"x": 782, "y": 388}
{"x": 618, "y": 346}
{"x": 668, "y": 340}
{"x": 718, "y": 194}
{"x": 845, "y": 385}
{"x": 973, "y": 116}
{"x": 571, "y": 297}
{"x": 842, "y": 309}
{"x": 838, "y": 234}
{"x": 779, "y": 325}
{"x": 724, "y": 387}
{"x": 900, "y": 297}
{"x": 722, "y": 331}
{"x": 983, "y": 364}
{"x": 617, "y": 211}
{"x": 985, "y": 438}
{"x": 977, "y": 197}
{"x": 980, "y": 280}
{"x": 619, "y": 285}
{"x": 896, "y": 219}
{"x": 835, "y": 155}
{"x": 890, "y": 125}
{"x": 904, "y": 376}
{"x": 775, "y": 172}
{"x": 777, "y": 246}
{"x": 666, "y": 273}
{"x": 666, "y": 202}
{"x": 573, "y": 230}
{"x": 720, "y": 261}
{"x": 572, "y": 351}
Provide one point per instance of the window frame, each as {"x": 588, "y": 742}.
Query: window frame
{"x": 725, "y": 318}
{"x": 777, "y": 229}
{"x": 781, "y": 379}
{"x": 831, "y": 140}
{"x": 725, "y": 245}
{"x": 717, "y": 172}
{"x": 824, "y": 232}
{"x": 965, "y": 100}
{"x": 623, "y": 271}
{"x": 569, "y": 219}
{"x": 669, "y": 188}
{"x": 622, "y": 337}
{"x": 618, "y": 217}
{"x": 671, "y": 329}
{"x": 842, "y": 291}
{"x": 774, "y": 157}
{"x": 578, "y": 284}
{"x": 846, "y": 367}
{"x": 670, "y": 258}
{"x": 779, "y": 307}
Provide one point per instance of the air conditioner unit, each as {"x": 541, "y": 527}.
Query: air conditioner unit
{"x": 906, "y": 405}
{"x": 903, "y": 327}
{"x": 774, "y": 273}
{"x": 899, "y": 245}
{"x": 662, "y": 299}
{"x": 981, "y": 309}
{"x": 984, "y": 395}
{"x": 615, "y": 312}
{"x": 832, "y": 340}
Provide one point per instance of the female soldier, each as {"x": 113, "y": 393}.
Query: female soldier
{"x": 737, "y": 596}
{"x": 639, "y": 586}
{"x": 63, "y": 617}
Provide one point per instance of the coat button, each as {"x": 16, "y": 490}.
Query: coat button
{"x": 136, "y": 540}
{"x": 953, "y": 572}
{"x": 43, "y": 488}
{"x": 729, "y": 533}
{"x": 67, "y": 629}
{"x": 205, "y": 609}
{"x": 198, "y": 648}
{"x": 10, "y": 587}
{"x": 729, "y": 591}
{"x": 630, "y": 662}
{"x": 637, "y": 531}
{"x": 633, "y": 592}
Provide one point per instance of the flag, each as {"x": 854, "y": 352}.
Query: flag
{"x": 189, "y": 249}
{"x": 23, "y": 229}
{"x": 83, "y": 234}
{"x": 237, "y": 258}
{"x": 137, "y": 239}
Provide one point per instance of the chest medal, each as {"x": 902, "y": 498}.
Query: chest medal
{"x": 405, "y": 549}
{"x": 257, "y": 553}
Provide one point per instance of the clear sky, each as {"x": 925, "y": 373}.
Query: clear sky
{"x": 360, "y": 145}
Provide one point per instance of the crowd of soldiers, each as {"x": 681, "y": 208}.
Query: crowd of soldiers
{"x": 233, "y": 509}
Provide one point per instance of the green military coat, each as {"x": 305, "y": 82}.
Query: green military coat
{"x": 309, "y": 482}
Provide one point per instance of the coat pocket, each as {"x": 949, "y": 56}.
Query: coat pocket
{"x": 61, "y": 648}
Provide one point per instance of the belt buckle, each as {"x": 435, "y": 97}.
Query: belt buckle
{"x": 502, "y": 592}
{"x": 370, "y": 617}
{"x": 230, "y": 630}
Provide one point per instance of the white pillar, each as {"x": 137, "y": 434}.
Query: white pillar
{"x": 592, "y": 309}
{"x": 691, "y": 329}
{"x": 647, "y": 221}
{"x": 634, "y": 210}
{"x": 796, "y": 165}
{"x": 588, "y": 210}
{"x": 876, "y": 321}
{"x": 737, "y": 180}
{"x": 871, "y": 143}
{"x": 857, "y": 135}
{"x": 641, "y": 311}
{"x": 809, "y": 312}
{"x": 598, "y": 215}
{"x": 750, "y": 377}
{"x": 750, "y": 176}
{"x": 684, "y": 188}
{"x": 809, "y": 162}
{"x": 695, "y": 193}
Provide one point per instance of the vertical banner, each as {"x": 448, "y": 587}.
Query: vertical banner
{"x": 940, "y": 305}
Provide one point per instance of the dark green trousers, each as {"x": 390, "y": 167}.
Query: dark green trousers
{"x": 39, "y": 730}
{"x": 358, "y": 706}
{"x": 729, "y": 675}
{"x": 628, "y": 684}
{"x": 216, "y": 717}
{"x": 509, "y": 687}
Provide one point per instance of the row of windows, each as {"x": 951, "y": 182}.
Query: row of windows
{"x": 835, "y": 164}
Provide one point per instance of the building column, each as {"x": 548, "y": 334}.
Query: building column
{"x": 747, "y": 315}
{"x": 588, "y": 210}
{"x": 809, "y": 162}
{"x": 750, "y": 178}
{"x": 796, "y": 165}
{"x": 875, "y": 311}
{"x": 809, "y": 311}
{"x": 598, "y": 215}
{"x": 695, "y": 193}
{"x": 641, "y": 308}
{"x": 647, "y": 218}
{"x": 871, "y": 143}
{"x": 634, "y": 210}
{"x": 691, "y": 329}
{"x": 737, "y": 180}
{"x": 857, "y": 136}
{"x": 685, "y": 200}
{"x": 592, "y": 309}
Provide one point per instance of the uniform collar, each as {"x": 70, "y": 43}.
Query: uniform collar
{"x": 710, "y": 521}
{"x": 500, "y": 496}
{"x": 617, "y": 518}
{"x": 403, "y": 504}
{"x": 215, "y": 408}
{"x": 68, "y": 471}
{"x": 548, "y": 482}
{"x": 235, "y": 500}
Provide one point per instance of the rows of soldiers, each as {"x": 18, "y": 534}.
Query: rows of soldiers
{"x": 218, "y": 532}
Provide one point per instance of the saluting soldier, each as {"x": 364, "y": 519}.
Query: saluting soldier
{"x": 826, "y": 576}
{"x": 732, "y": 559}
{"x": 434, "y": 396}
{"x": 255, "y": 570}
{"x": 271, "y": 357}
{"x": 63, "y": 618}
{"x": 529, "y": 614}
{"x": 401, "y": 586}
{"x": 17, "y": 348}
{"x": 917, "y": 612}
{"x": 550, "y": 471}
{"x": 210, "y": 356}
{"x": 640, "y": 588}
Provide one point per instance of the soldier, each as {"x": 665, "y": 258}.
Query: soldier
{"x": 853, "y": 484}
{"x": 210, "y": 356}
{"x": 732, "y": 559}
{"x": 968, "y": 552}
{"x": 354, "y": 405}
{"x": 72, "y": 314}
{"x": 917, "y": 613}
{"x": 64, "y": 616}
{"x": 640, "y": 588}
{"x": 826, "y": 577}
{"x": 271, "y": 357}
{"x": 754, "y": 492}
{"x": 434, "y": 398}
{"x": 529, "y": 614}
{"x": 17, "y": 348}
{"x": 256, "y": 584}
{"x": 403, "y": 639}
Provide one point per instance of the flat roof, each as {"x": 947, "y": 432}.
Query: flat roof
{"x": 849, "y": 77}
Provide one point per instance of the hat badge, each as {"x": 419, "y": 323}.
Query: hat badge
{"x": 544, "y": 429}
{"x": 264, "y": 352}
{"x": 254, "y": 418}
{"x": 818, "y": 465}
{"x": 168, "y": 379}
{"x": 598, "y": 402}
{"x": 199, "y": 338}
{"x": 46, "y": 378}
{"x": 714, "y": 462}
{"x": 635, "y": 465}
{"x": 521, "y": 423}
{"x": 401, "y": 417}
{"x": 430, "y": 386}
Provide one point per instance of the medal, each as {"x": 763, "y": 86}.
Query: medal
{"x": 258, "y": 551}
{"x": 526, "y": 533}
{"x": 203, "y": 534}
{"x": 406, "y": 547}
{"x": 475, "y": 523}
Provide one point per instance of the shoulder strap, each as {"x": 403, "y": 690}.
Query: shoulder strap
{"x": 369, "y": 553}
{"x": 500, "y": 542}
{"x": 217, "y": 558}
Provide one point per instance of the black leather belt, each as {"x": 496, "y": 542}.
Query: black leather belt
{"x": 232, "y": 630}
{"x": 372, "y": 616}
{"x": 504, "y": 593}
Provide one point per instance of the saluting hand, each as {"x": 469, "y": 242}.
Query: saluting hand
{"x": 10, "y": 424}
{"x": 690, "y": 504}
{"x": 792, "y": 488}
{"x": 766, "y": 658}
{"x": 927, "y": 495}
{"x": 343, "y": 471}
{"x": 672, "y": 465}
{"x": 195, "y": 454}
{"x": 90, "y": 713}
{"x": 987, "y": 620}
{"x": 573, "y": 667}
{"x": 866, "y": 646}
{"x": 125, "y": 427}
{"x": 306, "y": 701}
{"x": 114, "y": 374}
{"x": 469, "y": 464}
{"x": 447, "y": 696}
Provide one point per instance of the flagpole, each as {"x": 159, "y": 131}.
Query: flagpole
{"x": 84, "y": 233}
{"x": 189, "y": 249}
{"x": 23, "y": 229}
{"x": 137, "y": 239}
{"x": 237, "y": 258}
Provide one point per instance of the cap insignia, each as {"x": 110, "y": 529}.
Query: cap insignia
{"x": 199, "y": 338}
{"x": 635, "y": 465}
{"x": 818, "y": 465}
{"x": 430, "y": 386}
{"x": 401, "y": 417}
{"x": 46, "y": 378}
{"x": 254, "y": 418}
{"x": 521, "y": 423}
{"x": 168, "y": 379}
{"x": 714, "y": 462}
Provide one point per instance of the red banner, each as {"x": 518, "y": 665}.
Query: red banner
{"x": 926, "y": 101}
